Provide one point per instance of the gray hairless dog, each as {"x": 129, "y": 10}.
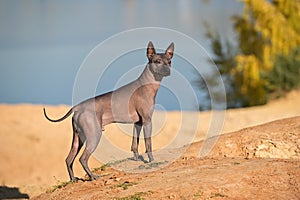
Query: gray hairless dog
{"x": 132, "y": 103}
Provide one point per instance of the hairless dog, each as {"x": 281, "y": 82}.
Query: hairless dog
{"x": 131, "y": 103}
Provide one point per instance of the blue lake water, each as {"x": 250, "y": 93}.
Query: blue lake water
{"x": 44, "y": 43}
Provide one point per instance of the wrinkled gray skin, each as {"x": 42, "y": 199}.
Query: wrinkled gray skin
{"x": 132, "y": 103}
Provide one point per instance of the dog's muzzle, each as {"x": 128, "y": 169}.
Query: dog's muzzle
{"x": 166, "y": 71}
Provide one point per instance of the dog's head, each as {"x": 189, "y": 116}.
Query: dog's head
{"x": 160, "y": 64}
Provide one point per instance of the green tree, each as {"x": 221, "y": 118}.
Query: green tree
{"x": 285, "y": 75}
{"x": 266, "y": 59}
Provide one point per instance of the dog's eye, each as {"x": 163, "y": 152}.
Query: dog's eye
{"x": 157, "y": 61}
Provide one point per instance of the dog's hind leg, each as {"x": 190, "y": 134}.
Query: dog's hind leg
{"x": 93, "y": 132}
{"x": 77, "y": 143}
{"x": 91, "y": 146}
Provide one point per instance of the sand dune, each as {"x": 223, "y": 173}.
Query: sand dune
{"x": 33, "y": 150}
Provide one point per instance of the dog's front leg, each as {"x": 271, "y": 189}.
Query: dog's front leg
{"x": 135, "y": 140}
{"x": 148, "y": 143}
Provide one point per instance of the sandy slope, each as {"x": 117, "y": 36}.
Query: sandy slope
{"x": 33, "y": 150}
{"x": 242, "y": 165}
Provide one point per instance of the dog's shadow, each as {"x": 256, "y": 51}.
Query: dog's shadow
{"x": 140, "y": 158}
{"x": 12, "y": 193}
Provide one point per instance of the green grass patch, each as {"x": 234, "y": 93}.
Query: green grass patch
{"x": 198, "y": 194}
{"x": 136, "y": 196}
{"x": 59, "y": 185}
{"x": 109, "y": 164}
{"x": 152, "y": 165}
{"x": 216, "y": 195}
{"x": 125, "y": 185}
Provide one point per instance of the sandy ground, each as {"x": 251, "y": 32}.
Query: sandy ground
{"x": 255, "y": 162}
{"x": 260, "y": 162}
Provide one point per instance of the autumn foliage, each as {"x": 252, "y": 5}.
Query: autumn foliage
{"x": 266, "y": 59}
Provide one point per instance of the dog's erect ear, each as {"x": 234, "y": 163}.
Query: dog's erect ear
{"x": 150, "y": 51}
{"x": 170, "y": 50}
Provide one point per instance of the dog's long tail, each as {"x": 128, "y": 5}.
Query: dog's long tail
{"x": 58, "y": 120}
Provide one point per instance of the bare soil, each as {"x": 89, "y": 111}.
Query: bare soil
{"x": 259, "y": 162}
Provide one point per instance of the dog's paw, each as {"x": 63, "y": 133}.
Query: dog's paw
{"x": 136, "y": 156}
{"x": 74, "y": 180}
{"x": 150, "y": 156}
{"x": 94, "y": 177}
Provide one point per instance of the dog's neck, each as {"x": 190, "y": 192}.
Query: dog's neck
{"x": 149, "y": 78}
